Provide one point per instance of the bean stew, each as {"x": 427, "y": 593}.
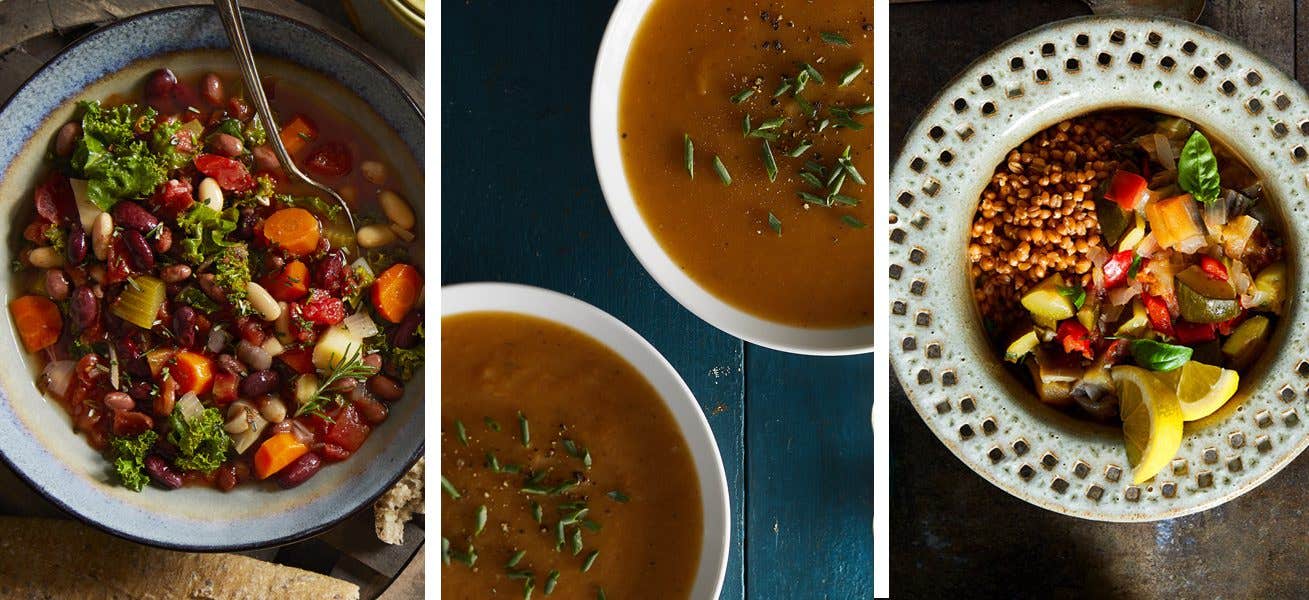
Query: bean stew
{"x": 202, "y": 320}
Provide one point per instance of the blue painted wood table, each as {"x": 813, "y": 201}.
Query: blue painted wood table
{"x": 521, "y": 203}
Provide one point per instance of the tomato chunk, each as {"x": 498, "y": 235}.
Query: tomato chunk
{"x": 230, "y": 174}
{"x": 1126, "y": 189}
{"x": 332, "y": 159}
{"x": 348, "y": 431}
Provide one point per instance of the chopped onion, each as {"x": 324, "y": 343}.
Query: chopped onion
{"x": 244, "y": 440}
{"x": 1215, "y": 216}
{"x": 58, "y": 375}
{"x": 1148, "y": 246}
{"x": 1192, "y": 244}
{"x": 1164, "y": 152}
{"x": 361, "y": 263}
{"x": 1123, "y": 295}
{"x": 217, "y": 340}
{"x": 273, "y": 346}
{"x": 190, "y": 406}
{"x": 1111, "y": 312}
{"x": 360, "y": 325}
{"x": 301, "y": 433}
{"x": 113, "y": 366}
{"x": 1240, "y": 279}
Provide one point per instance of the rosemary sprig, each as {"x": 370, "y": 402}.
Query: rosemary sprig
{"x": 352, "y": 367}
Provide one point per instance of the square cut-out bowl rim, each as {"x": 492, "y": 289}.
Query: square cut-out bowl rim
{"x": 473, "y": 297}
{"x": 606, "y": 86}
{"x": 57, "y": 462}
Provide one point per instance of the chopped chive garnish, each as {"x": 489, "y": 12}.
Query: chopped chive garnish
{"x": 805, "y": 105}
{"x": 521, "y": 574}
{"x": 721, "y": 169}
{"x": 688, "y": 155}
{"x": 537, "y": 513}
{"x": 586, "y": 458}
{"x": 742, "y": 95}
{"x": 481, "y": 520}
{"x": 772, "y": 123}
{"x": 861, "y": 109}
{"x": 491, "y": 424}
{"x": 846, "y": 200}
{"x": 745, "y": 124}
{"x": 800, "y": 149}
{"x": 510, "y": 468}
{"x": 535, "y": 490}
{"x": 832, "y": 37}
{"x": 784, "y": 88}
{"x": 813, "y": 199}
{"x": 824, "y": 124}
{"x": 763, "y": 134}
{"x": 524, "y": 430}
{"x": 813, "y": 73}
{"x": 835, "y": 187}
{"x": 460, "y": 432}
{"x": 618, "y": 496}
{"x": 814, "y": 167}
{"x": 563, "y": 487}
{"x": 449, "y": 488}
{"x": 576, "y": 541}
{"x": 854, "y": 173}
{"x": 468, "y": 558}
{"x": 592, "y": 525}
{"x": 576, "y": 516}
{"x": 571, "y": 447}
{"x": 770, "y": 164}
{"x": 305, "y": 136}
{"x": 445, "y": 550}
{"x": 538, "y": 477}
{"x": 492, "y": 462}
{"x": 853, "y": 222}
{"x": 811, "y": 179}
{"x": 589, "y": 560}
{"x": 775, "y": 224}
{"x": 529, "y": 585}
{"x": 559, "y": 535}
{"x": 850, "y": 75}
{"x": 551, "y": 581}
{"x": 513, "y": 560}
{"x": 848, "y": 123}
{"x": 600, "y": 594}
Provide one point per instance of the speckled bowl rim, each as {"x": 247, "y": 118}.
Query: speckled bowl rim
{"x": 200, "y": 545}
{"x": 608, "y": 330}
{"x": 606, "y": 86}
{"x": 906, "y": 327}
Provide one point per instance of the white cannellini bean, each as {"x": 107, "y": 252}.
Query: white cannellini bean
{"x": 397, "y": 209}
{"x": 273, "y": 409}
{"x": 102, "y": 233}
{"x": 238, "y": 424}
{"x": 45, "y": 257}
{"x": 262, "y": 301}
{"x": 374, "y": 236}
{"x": 374, "y": 172}
{"x": 404, "y": 234}
{"x": 240, "y": 407}
{"x": 283, "y": 324}
{"x": 210, "y": 194}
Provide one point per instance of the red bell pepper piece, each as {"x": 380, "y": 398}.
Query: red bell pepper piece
{"x": 1228, "y": 326}
{"x": 1213, "y": 268}
{"x": 1074, "y": 337}
{"x": 1116, "y": 269}
{"x": 1126, "y": 189}
{"x": 1157, "y": 310}
{"x": 1194, "y": 333}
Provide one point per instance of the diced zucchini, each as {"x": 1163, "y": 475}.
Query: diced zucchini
{"x": 1045, "y": 302}
{"x": 1134, "y": 235}
{"x": 1135, "y": 325}
{"x": 1089, "y": 314}
{"x": 1021, "y": 346}
{"x": 140, "y": 301}
{"x": 1271, "y": 285}
{"x": 1247, "y": 341}
{"x": 1114, "y": 220}
{"x": 1203, "y": 299}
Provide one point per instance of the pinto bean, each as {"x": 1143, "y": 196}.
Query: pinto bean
{"x": 226, "y": 145}
{"x": 57, "y": 285}
{"x": 139, "y": 253}
{"x": 211, "y": 89}
{"x": 167, "y": 398}
{"x": 385, "y": 387}
{"x": 130, "y": 215}
{"x": 259, "y": 383}
{"x": 119, "y": 401}
{"x": 128, "y": 423}
{"x": 299, "y": 471}
{"x": 66, "y": 139}
{"x": 210, "y": 287}
{"x": 230, "y": 365}
{"x": 370, "y": 410}
{"x": 161, "y": 473}
{"x": 84, "y": 307}
{"x": 175, "y": 273}
{"x": 266, "y": 159}
{"x": 163, "y": 239}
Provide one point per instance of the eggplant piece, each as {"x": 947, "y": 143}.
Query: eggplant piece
{"x": 1053, "y": 376}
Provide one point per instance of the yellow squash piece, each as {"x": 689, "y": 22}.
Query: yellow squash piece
{"x": 1021, "y": 346}
{"x": 1134, "y": 326}
{"x": 1045, "y": 302}
{"x": 1247, "y": 341}
{"x": 1271, "y": 285}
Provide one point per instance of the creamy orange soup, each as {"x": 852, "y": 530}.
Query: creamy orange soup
{"x": 579, "y": 403}
{"x": 757, "y": 244}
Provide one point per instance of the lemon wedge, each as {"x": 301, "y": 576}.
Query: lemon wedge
{"x": 1152, "y": 420}
{"x": 1202, "y": 389}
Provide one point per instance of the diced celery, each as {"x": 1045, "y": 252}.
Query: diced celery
{"x": 140, "y": 301}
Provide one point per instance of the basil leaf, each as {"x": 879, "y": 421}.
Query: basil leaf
{"x": 1158, "y": 356}
{"x": 1197, "y": 169}
{"x": 1075, "y": 294}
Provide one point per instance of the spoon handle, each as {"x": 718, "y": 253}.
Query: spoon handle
{"x": 230, "y": 13}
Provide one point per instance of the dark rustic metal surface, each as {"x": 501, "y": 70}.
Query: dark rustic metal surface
{"x": 952, "y": 532}
{"x": 31, "y": 32}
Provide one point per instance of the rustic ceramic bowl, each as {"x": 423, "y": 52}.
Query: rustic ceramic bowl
{"x": 36, "y": 437}
{"x": 605, "y": 87}
{"x": 569, "y": 311}
{"x": 938, "y": 347}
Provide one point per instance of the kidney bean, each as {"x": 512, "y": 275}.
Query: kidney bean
{"x": 162, "y": 473}
{"x": 226, "y": 145}
{"x": 77, "y": 245}
{"x": 167, "y": 398}
{"x": 245, "y": 224}
{"x": 141, "y": 389}
{"x": 57, "y": 285}
{"x": 343, "y": 385}
{"x": 175, "y": 273}
{"x": 406, "y": 334}
{"x": 230, "y": 365}
{"x": 369, "y": 409}
{"x": 87, "y": 369}
{"x": 119, "y": 401}
{"x": 84, "y": 307}
{"x": 163, "y": 239}
{"x": 226, "y": 479}
{"x": 299, "y": 471}
{"x": 211, "y": 89}
{"x": 128, "y": 423}
{"x": 334, "y": 452}
{"x": 210, "y": 287}
{"x": 66, "y": 139}
{"x": 260, "y": 383}
{"x": 273, "y": 262}
{"x": 385, "y": 387}
{"x": 373, "y": 360}
{"x": 184, "y": 326}
{"x": 160, "y": 87}
{"x": 139, "y": 252}
{"x": 238, "y": 109}
{"x": 329, "y": 273}
{"x": 130, "y": 215}
{"x": 266, "y": 159}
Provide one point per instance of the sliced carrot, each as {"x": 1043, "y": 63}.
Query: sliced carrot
{"x": 297, "y": 134}
{"x": 289, "y": 284}
{"x": 157, "y": 358}
{"x": 38, "y": 321}
{"x": 276, "y": 452}
{"x": 396, "y": 291}
{"x": 193, "y": 372}
{"x": 296, "y": 230}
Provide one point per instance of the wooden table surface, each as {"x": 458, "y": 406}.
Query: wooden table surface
{"x": 31, "y": 32}
{"x": 521, "y": 203}
{"x": 954, "y": 532}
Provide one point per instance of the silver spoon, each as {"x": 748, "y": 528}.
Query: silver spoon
{"x": 230, "y": 12}
{"x": 1187, "y": 10}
